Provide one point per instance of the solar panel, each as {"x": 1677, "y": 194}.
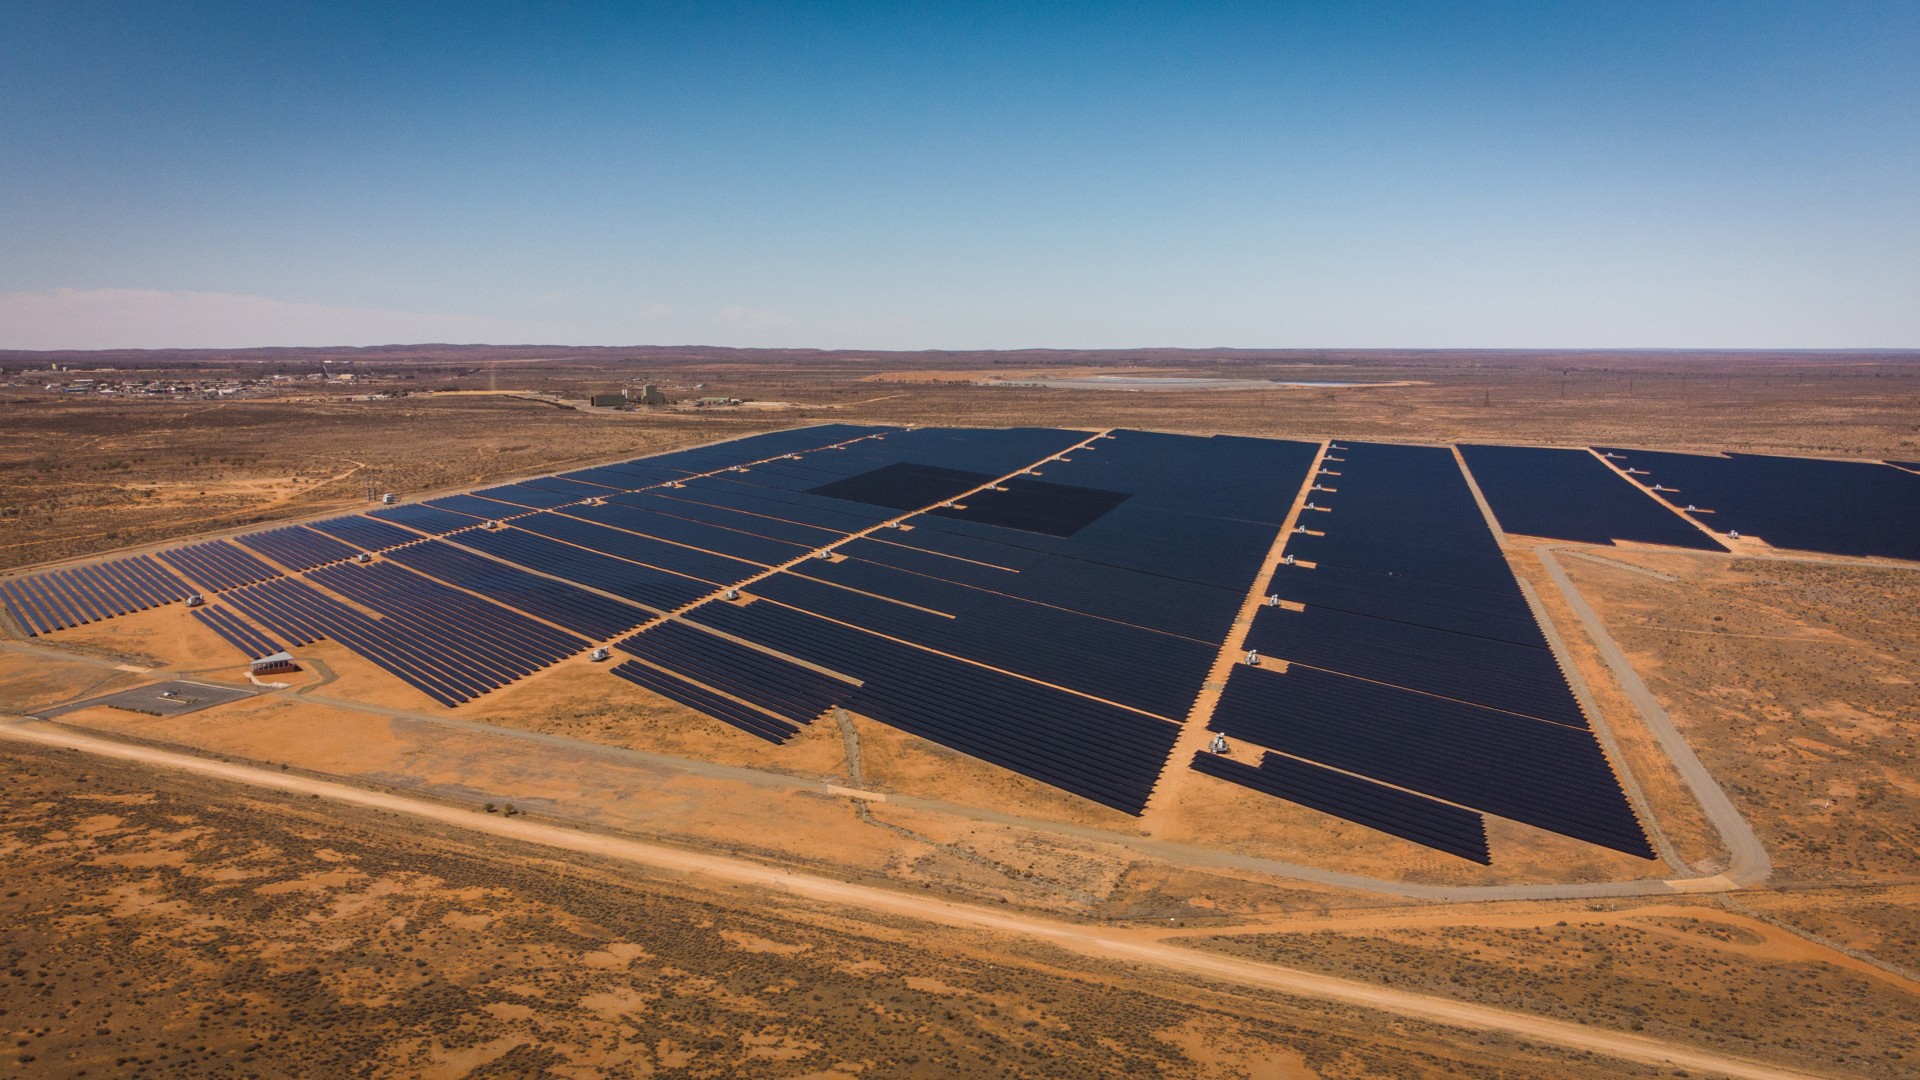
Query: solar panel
{"x": 1424, "y": 821}
{"x": 1862, "y": 508}
{"x": 1572, "y": 495}
{"x": 1552, "y": 776}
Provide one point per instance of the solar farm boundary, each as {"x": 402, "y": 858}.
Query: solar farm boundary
{"x": 1175, "y": 852}
{"x": 1583, "y": 694}
{"x": 1749, "y": 863}
{"x": 1193, "y": 733}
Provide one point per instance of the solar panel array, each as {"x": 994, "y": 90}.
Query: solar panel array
{"x": 1417, "y": 661}
{"x": 297, "y": 547}
{"x": 60, "y": 599}
{"x": 1572, "y": 495}
{"x": 1061, "y": 627}
{"x": 1424, "y": 821}
{"x": 1040, "y": 599}
{"x": 236, "y": 631}
{"x": 1862, "y": 508}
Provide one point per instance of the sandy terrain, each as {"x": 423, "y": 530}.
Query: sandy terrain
{"x": 1790, "y": 680}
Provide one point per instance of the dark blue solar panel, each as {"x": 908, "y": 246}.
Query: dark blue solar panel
{"x": 747, "y": 718}
{"x": 1860, "y": 508}
{"x": 679, "y": 530}
{"x": 719, "y": 569}
{"x": 779, "y": 686}
{"x": 1548, "y": 775}
{"x": 297, "y": 547}
{"x": 1106, "y": 754}
{"x": 217, "y": 564}
{"x": 366, "y": 533}
{"x": 597, "y": 617}
{"x": 1400, "y": 813}
{"x": 427, "y": 519}
{"x": 474, "y": 506}
{"x": 58, "y": 599}
{"x": 652, "y": 587}
{"x": 760, "y": 524}
{"x": 527, "y": 495}
{"x": 1572, "y": 495}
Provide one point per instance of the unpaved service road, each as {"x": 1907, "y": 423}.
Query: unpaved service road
{"x": 1087, "y": 941}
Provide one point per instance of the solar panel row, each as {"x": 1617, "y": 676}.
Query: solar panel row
{"x": 236, "y": 631}
{"x": 427, "y": 519}
{"x": 476, "y": 507}
{"x": 1143, "y": 669}
{"x": 495, "y": 641}
{"x": 748, "y": 719}
{"x": 366, "y": 533}
{"x": 779, "y": 686}
{"x": 1487, "y": 671}
{"x": 1110, "y": 755}
{"x": 59, "y": 599}
{"x": 1403, "y": 511}
{"x": 1437, "y": 604}
{"x": 217, "y": 564}
{"x": 1548, "y": 775}
{"x": 681, "y": 559}
{"x": 590, "y": 614}
{"x": 679, "y": 530}
{"x": 760, "y": 524}
{"x": 299, "y": 614}
{"x": 1862, "y": 508}
{"x": 1411, "y": 588}
{"x": 659, "y": 590}
{"x": 297, "y": 547}
{"x": 1400, "y": 813}
{"x": 1572, "y": 495}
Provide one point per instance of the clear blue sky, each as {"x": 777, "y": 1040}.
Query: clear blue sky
{"x": 920, "y": 176}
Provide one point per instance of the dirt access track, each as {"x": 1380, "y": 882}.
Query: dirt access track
{"x": 1088, "y": 941}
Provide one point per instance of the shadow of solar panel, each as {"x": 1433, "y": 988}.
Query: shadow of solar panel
{"x": 1571, "y": 495}
{"x": 1547, "y": 775}
{"x": 1037, "y": 506}
{"x": 1424, "y": 821}
{"x": 903, "y": 486}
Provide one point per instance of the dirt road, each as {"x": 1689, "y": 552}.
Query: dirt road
{"x": 1094, "y": 942}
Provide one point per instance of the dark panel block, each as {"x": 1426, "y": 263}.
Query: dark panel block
{"x": 1572, "y": 495}
{"x": 1424, "y": 821}
{"x": 1547, "y": 775}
